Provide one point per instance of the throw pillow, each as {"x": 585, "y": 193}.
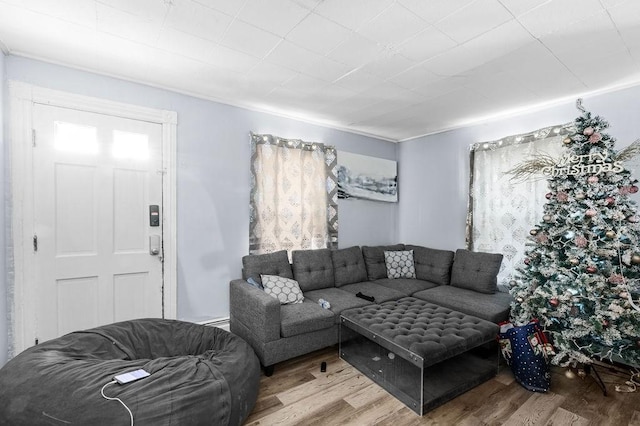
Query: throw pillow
{"x": 400, "y": 264}
{"x": 286, "y": 290}
{"x": 255, "y": 283}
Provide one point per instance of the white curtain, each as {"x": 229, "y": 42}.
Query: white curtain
{"x": 294, "y": 195}
{"x": 501, "y": 211}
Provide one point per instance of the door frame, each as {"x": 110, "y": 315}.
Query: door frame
{"x": 23, "y": 97}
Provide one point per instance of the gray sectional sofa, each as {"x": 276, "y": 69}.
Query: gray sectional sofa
{"x": 463, "y": 281}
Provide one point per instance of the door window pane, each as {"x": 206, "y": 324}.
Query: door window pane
{"x": 134, "y": 146}
{"x": 76, "y": 138}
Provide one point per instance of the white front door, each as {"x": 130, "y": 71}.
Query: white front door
{"x": 97, "y": 220}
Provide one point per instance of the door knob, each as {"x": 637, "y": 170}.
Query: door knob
{"x": 154, "y": 245}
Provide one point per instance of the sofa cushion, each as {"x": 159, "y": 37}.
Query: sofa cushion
{"x": 313, "y": 269}
{"x": 400, "y": 264}
{"x": 276, "y": 263}
{"x": 285, "y": 290}
{"x": 432, "y": 264}
{"x": 301, "y": 318}
{"x": 406, "y": 286}
{"x": 491, "y": 307}
{"x": 348, "y": 266}
{"x": 374, "y": 260}
{"x": 338, "y": 298}
{"x": 379, "y": 292}
{"x": 476, "y": 271}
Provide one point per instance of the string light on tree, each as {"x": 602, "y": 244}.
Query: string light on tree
{"x": 581, "y": 274}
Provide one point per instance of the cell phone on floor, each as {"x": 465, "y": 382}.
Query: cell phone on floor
{"x": 131, "y": 376}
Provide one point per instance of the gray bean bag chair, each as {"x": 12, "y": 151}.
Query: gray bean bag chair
{"x": 199, "y": 376}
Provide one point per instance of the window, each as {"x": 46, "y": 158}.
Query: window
{"x": 75, "y": 138}
{"x": 503, "y": 211}
{"x": 294, "y": 195}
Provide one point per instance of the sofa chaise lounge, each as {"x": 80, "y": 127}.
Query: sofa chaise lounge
{"x": 463, "y": 281}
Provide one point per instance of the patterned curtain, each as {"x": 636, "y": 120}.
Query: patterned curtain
{"x": 294, "y": 195}
{"x": 501, "y": 211}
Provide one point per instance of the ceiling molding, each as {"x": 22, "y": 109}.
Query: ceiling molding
{"x": 529, "y": 109}
{"x": 4, "y": 49}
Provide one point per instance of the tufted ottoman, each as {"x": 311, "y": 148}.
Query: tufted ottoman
{"x": 421, "y": 353}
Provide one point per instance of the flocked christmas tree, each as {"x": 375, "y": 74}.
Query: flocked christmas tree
{"x": 582, "y": 269}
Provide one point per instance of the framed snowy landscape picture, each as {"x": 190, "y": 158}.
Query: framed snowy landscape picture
{"x": 368, "y": 178}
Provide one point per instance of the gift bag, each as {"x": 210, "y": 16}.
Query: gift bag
{"x": 526, "y": 350}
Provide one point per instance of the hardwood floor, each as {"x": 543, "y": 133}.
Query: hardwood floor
{"x": 299, "y": 394}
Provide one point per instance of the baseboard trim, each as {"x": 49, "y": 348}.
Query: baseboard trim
{"x": 222, "y": 323}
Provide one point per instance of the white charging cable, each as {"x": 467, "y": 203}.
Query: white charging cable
{"x": 116, "y": 399}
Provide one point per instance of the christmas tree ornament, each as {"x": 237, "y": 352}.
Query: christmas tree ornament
{"x": 609, "y": 201}
{"x": 590, "y": 213}
{"x": 633, "y": 219}
{"x": 569, "y": 235}
{"x": 595, "y": 138}
{"x": 548, "y": 195}
{"x": 581, "y": 241}
{"x": 547, "y": 218}
{"x": 554, "y": 302}
{"x": 573, "y": 261}
{"x": 624, "y": 295}
{"x": 635, "y": 259}
{"x": 610, "y": 234}
{"x": 533, "y": 232}
{"x": 580, "y": 196}
{"x": 542, "y": 238}
{"x": 581, "y": 373}
{"x": 591, "y": 269}
{"x": 633, "y": 189}
{"x": 569, "y": 374}
{"x": 567, "y": 140}
{"x": 593, "y": 179}
{"x": 562, "y": 196}
{"x": 588, "y": 131}
{"x": 616, "y": 279}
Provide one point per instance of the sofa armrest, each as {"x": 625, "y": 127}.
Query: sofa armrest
{"x": 254, "y": 308}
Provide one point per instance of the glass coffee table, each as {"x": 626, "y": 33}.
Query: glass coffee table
{"x": 421, "y": 353}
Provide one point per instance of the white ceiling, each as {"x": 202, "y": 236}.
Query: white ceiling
{"x": 394, "y": 69}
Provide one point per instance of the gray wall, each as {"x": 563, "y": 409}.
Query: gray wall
{"x": 3, "y": 289}
{"x": 434, "y": 170}
{"x": 213, "y": 180}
